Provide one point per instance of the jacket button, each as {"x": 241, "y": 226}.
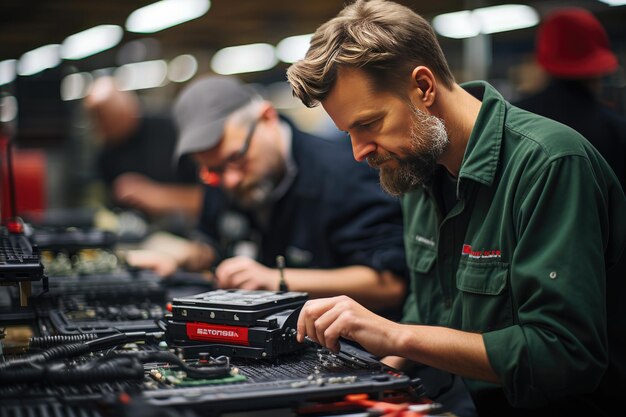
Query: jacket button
{"x": 553, "y": 274}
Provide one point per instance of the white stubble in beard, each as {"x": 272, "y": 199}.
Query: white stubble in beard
{"x": 422, "y": 153}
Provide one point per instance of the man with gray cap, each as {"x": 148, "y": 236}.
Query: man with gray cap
{"x": 288, "y": 196}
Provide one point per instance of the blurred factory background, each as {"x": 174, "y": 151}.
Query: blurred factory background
{"x": 52, "y": 50}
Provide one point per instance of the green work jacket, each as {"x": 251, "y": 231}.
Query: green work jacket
{"x": 522, "y": 258}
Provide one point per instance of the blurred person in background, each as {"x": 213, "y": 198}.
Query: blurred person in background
{"x": 276, "y": 191}
{"x": 573, "y": 48}
{"x": 135, "y": 155}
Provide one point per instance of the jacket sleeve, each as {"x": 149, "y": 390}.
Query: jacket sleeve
{"x": 558, "y": 345}
{"x": 366, "y": 224}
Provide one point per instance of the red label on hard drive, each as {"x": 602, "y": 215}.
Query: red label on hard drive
{"x": 216, "y": 333}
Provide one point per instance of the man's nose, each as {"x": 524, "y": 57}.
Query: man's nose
{"x": 231, "y": 178}
{"x": 361, "y": 148}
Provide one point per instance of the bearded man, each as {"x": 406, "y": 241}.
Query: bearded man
{"x": 514, "y": 224}
{"x": 274, "y": 191}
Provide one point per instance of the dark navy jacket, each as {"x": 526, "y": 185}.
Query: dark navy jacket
{"x": 333, "y": 215}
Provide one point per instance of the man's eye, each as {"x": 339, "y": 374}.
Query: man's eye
{"x": 369, "y": 125}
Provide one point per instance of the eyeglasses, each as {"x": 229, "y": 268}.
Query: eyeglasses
{"x": 212, "y": 176}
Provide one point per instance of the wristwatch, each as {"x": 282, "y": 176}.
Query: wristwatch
{"x": 280, "y": 263}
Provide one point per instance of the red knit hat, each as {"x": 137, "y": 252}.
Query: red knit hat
{"x": 571, "y": 43}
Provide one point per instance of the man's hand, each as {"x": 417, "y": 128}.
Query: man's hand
{"x": 327, "y": 319}
{"x": 135, "y": 190}
{"x": 159, "y": 262}
{"x": 245, "y": 273}
{"x": 156, "y": 198}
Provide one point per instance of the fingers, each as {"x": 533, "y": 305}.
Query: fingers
{"x": 133, "y": 179}
{"x": 226, "y": 270}
{"x": 134, "y": 190}
{"x": 239, "y": 272}
{"x": 166, "y": 268}
{"x": 321, "y": 320}
{"x": 129, "y": 184}
{"x": 332, "y": 333}
{"x": 326, "y": 333}
{"x": 160, "y": 263}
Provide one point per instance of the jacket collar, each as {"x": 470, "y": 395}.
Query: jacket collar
{"x": 482, "y": 154}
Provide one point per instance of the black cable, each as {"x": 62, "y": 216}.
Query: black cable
{"x": 78, "y": 349}
{"x": 44, "y": 342}
{"x": 106, "y": 342}
{"x": 56, "y": 352}
{"x": 41, "y": 366}
{"x": 113, "y": 369}
{"x": 120, "y": 366}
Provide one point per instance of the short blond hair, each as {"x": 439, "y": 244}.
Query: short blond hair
{"x": 384, "y": 39}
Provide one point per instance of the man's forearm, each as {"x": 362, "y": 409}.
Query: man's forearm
{"x": 199, "y": 256}
{"x": 373, "y": 289}
{"x": 185, "y": 198}
{"x": 451, "y": 350}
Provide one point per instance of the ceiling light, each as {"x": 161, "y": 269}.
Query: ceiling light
{"x": 91, "y": 41}
{"x": 502, "y": 18}
{"x": 75, "y": 86}
{"x": 506, "y": 17}
{"x": 614, "y": 2}
{"x": 140, "y": 75}
{"x": 164, "y": 14}
{"x": 103, "y": 72}
{"x": 7, "y": 71}
{"x": 39, "y": 59}
{"x": 293, "y": 48}
{"x": 182, "y": 68}
{"x": 456, "y": 25}
{"x": 244, "y": 58}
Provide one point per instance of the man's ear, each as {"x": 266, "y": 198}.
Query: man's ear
{"x": 424, "y": 86}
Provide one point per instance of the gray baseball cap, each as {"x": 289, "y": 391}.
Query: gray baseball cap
{"x": 201, "y": 109}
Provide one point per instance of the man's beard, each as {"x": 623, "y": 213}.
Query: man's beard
{"x": 428, "y": 140}
{"x": 257, "y": 192}
{"x": 254, "y": 196}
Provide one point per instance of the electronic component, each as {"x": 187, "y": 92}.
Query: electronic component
{"x": 102, "y": 303}
{"x": 20, "y": 262}
{"x": 74, "y": 317}
{"x": 235, "y": 307}
{"x": 285, "y": 381}
{"x": 71, "y": 239}
{"x": 236, "y": 323}
{"x": 163, "y": 373}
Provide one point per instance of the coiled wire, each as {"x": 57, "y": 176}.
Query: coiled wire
{"x": 45, "y": 342}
